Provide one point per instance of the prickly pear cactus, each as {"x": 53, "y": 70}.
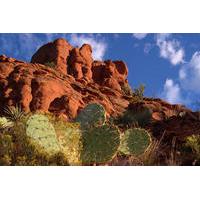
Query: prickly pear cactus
{"x": 42, "y": 132}
{"x": 92, "y": 115}
{"x": 69, "y": 138}
{"x": 100, "y": 144}
{"x": 135, "y": 142}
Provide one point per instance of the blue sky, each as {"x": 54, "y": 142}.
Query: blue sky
{"x": 167, "y": 64}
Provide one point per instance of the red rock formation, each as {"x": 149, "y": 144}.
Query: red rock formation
{"x": 56, "y": 52}
{"x": 75, "y": 80}
{"x": 65, "y": 88}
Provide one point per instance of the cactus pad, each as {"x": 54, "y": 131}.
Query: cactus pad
{"x": 135, "y": 142}
{"x": 92, "y": 115}
{"x": 100, "y": 144}
{"x": 42, "y": 132}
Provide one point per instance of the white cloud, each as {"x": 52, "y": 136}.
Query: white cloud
{"x": 98, "y": 46}
{"x": 170, "y": 49}
{"x": 140, "y": 36}
{"x": 189, "y": 74}
{"x": 172, "y": 92}
{"x": 148, "y": 47}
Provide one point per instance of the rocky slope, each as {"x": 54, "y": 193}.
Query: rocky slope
{"x": 63, "y": 79}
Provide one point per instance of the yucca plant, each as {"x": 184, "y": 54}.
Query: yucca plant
{"x": 14, "y": 114}
{"x": 5, "y": 123}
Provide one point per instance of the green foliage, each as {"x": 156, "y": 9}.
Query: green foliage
{"x": 16, "y": 148}
{"x": 14, "y": 114}
{"x": 6, "y": 147}
{"x": 138, "y": 117}
{"x": 40, "y": 130}
{"x": 92, "y": 115}
{"x": 139, "y": 92}
{"x": 5, "y": 123}
{"x": 135, "y": 142}
{"x": 100, "y": 144}
{"x": 193, "y": 142}
{"x": 50, "y": 64}
{"x": 69, "y": 138}
{"x": 126, "y": 89}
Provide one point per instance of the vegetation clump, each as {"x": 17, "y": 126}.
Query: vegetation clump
{"x": 137, "y": 117}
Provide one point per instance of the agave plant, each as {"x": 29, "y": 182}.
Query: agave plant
{"x": 5, "y": 123}
{"x": 14, "y": 114}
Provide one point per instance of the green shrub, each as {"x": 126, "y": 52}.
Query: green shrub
{"x": 126, "y": 89}
{"x": 16, "y": 148}
{"x": 135, "y": 142}
{"x": 6, "y": 148}
{"x": 100, "y": 144}
{"x": 141, "y": 117}
{"x": 92, "y": 115}
{"x": 139, "y": 92}
{"x": 193, "y": 142}
{"x": 69, "y": 138}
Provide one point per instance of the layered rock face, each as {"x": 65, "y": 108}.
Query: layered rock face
{"x": 74, "y": 79}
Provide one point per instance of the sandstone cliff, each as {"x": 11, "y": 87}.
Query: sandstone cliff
{"x": 63, "y": 79}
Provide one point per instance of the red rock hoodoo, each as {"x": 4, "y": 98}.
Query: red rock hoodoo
{"x": 73, "y": 80}
{"x": 65, "y": 87}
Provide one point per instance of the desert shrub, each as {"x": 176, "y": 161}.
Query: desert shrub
{"x": 126, "y": 89}
{"x": 6, "y": 148}
{"x": 69, "y": 138}
{"x": 139, "y": 117}
{"x": 19, "y": 148}
{"x": 193, "y": 142}
{"x": 137, "y": 94}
